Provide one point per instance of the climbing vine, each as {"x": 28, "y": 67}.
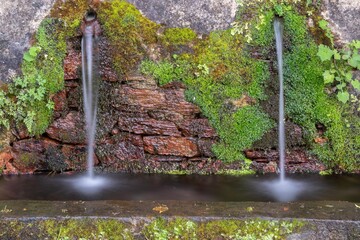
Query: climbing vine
{"x": 341, "y": 63}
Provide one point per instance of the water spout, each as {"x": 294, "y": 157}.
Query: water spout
{"x": 278, "y": 28}
{"x": 89, "y": 83}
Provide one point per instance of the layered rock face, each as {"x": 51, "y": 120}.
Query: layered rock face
{"x": 142, "y": 126}
{"x": 137, "y": 122}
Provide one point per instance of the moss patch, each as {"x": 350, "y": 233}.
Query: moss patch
{"x": 179, "y": 36}
{"x": 66, "y": 229}
{"x": 128, "y": 32}
{"x": 159, "y": 229}
{"x": 28, "y": 98}
{"x": 307, "y": 104}
{"x": 181, "y": 228}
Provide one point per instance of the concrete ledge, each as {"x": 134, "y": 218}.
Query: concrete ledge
{"x": 322, "y": 210}
{"x": 324, "y": 220}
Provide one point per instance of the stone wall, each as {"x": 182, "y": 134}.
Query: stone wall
{"x": 138, "y": 122}
{"x": 141, "y": 126}
{"x": 201, "y": 16}
{"x": 344, "y": 18}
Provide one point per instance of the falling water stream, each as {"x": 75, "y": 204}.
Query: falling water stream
{"x": 278, "y": 28}
{"x": 89, "y": 87}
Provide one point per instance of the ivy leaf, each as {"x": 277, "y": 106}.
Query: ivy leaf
{"x": 337, "y": 55}
{"x": 346, "y": 55}
{"x": 348, "y": 76}
{"x": 343, "y": 96}
{"x": 33, "y": 51}
{"x": 328, "y": 77}
{"x": 323, "y": 24}
{"x": 341, "y": 85}
{"x": 27, "y": 57}
{"x": 325, "y": 53}
{"x": 356, "y": 44}
{"x": 356, "y": 84}
{"x": 354, "y": 61}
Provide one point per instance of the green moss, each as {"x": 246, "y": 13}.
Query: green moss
{"x": 307, "y": 104}
{"x": 27, "y": 159}
{"x": 249, "y": 229}
{"x": 85, "y": 229}
{"x": 179, "y": 36}
{"x": 128, "y": 31}
{"x": 247, "y": 121}
{"x": 71, "y": 13}
{"x": 218, "y": 75}
{"x": 165, "y": 72}
{"x": 236, "y": 172}
{"x": 180, "y": 228}
{"x": 28, "y": 98}
{"x": 66, "y": 229}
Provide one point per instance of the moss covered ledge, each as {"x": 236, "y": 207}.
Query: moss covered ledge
{"x": 177, "y": 220}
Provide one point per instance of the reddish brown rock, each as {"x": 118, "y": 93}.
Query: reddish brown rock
{"x": 197, "y": 128}
{"x": 165, "y": 158}
{"x": 72, "y": 63}
{"x": 35, "y": 154}
{"x": 6, "y": 166}
{"x": 32, "y": 145}
{"x": 142, "y": 98}
{"x": 59, "y": 100}
{"x": 253, "y": 154}
{"x": 147, "y": 126}
{"x": 293, "y": 156}
{"x": 270, "y": 167}
{"x": 165, "y": 115}
{"x": 176, "y": 146}
{"x": 198, "y": 159}
{"x": 75, "y": 157}
{"x": 122, "y": 147}
{"x": 21, "y": 132}
{"x": 69, "y": 129}
{"x": 73, "y": 93}
{"x": 140, "y": 82}
{"x": 161, "y": 99}
{"x": 106, "y": 70}
{"x": 176, "y": 102}
{"x": 205, "y": 147}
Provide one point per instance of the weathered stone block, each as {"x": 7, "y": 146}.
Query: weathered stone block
{"x": 176, "y": 146}
{"x": 147, "y": 126}
{"x": 70, "y": 129}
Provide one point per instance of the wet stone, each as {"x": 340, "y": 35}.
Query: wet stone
{"x": 59, "y": 101}
{"x": 175, "y": 146}
{"x": 197, "y": 128}
{"x": 147, "y": 126}
{"x": 72, "y": 64}
{"x": 165, "y": 158}
{"x": 122, "y": 147}
{"x": 69, "y": 129}
{"x": 205, "y": 146}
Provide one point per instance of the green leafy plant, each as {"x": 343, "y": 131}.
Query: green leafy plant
{"x": 32, "y": 53}
{"x": 27, "y": 100}
{"x": 324, "y": 25}
{"x": 342, "y": 64}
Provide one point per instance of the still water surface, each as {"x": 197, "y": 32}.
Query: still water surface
{"x": 185, "y": 187}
